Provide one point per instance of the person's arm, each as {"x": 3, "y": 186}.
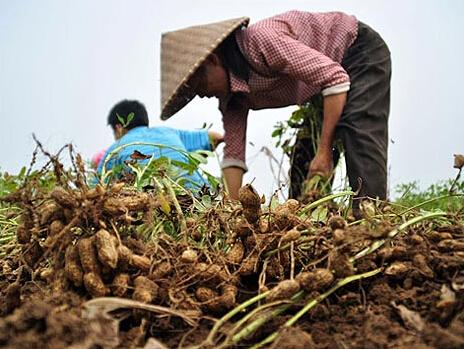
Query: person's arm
{"x": 288, "y": 56}
{"x": 323, "y": 160}
{"x": 233, "y": 177}
{"x": 233, "y": 164}
{"x": 282, "y": 54}
{"x": 195, "y": 140}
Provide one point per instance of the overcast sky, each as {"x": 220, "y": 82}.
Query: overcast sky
{"x": 64, "y": 64}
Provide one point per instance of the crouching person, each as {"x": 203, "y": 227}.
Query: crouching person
{"x": 136, "y": 141}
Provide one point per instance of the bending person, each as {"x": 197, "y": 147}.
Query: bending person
{"x": 286, "y": 60}
{"x": 129, "y": 122}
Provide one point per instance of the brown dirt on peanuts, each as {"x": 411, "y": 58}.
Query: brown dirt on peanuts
{"x": 284, "y": 290}
{"x": 88, "y": 256}
{"x": 359, "y": 315}
{"x": 251, "y": 203}
{"x": 106, "y": 249}
{"x": 42, "y": 325}
{"x": 95, "y": 285}
{"x": 417, "y": 301}
{"x": 293, "y": 338}
{"x": 120, "y": 284}
{"x": 72, "y": 265}
{"x": 145, "y": 290}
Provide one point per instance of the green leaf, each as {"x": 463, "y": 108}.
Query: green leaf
{"x": 120, "y": 119}
{"x": 207, "y": 153}
{"x": 274, "y": 203}
{"x": 130, "y": 117}
{"x": 125, "y": 122}
{"x": 276, "y": 133}
{"x": 185, "y": 166}
{"x": 199, "y": 157}
{"x": 206, "y": 201}
{"x": 214, "y": 181}
{"x": 22, "y": 172}
{"x": 319, "y": 214}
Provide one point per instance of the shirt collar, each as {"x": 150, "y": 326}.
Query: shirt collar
{"x": 238, "y": 84}
{"x": 137, "y": 128}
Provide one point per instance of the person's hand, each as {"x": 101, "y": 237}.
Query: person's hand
{"x": 321, "y": 165}
{"x": 215, "y": 138}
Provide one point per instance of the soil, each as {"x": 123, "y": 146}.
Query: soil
{"x": 175, "y": 287}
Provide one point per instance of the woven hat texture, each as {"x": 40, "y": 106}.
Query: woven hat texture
{"x": 182, "y": 53}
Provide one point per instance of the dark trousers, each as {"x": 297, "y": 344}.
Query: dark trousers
{"x": 363, "y": 126}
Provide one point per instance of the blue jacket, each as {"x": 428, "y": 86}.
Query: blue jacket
{"x": 179, "y": 139}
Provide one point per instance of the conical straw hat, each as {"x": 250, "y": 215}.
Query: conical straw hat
{"x": 182, "y": 52}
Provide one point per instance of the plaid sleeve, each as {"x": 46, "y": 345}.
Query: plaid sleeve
{"x": 235, "y": 126}
{"x": 281, "y": 53}
{"x": 195, "y": 140}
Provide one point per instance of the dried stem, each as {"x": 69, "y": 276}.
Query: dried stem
{"x": 312, "y": 303}
{"x": 232, "y": 313}
{"x": 376, "y": 244}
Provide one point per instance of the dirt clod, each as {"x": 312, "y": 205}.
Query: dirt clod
{"x": 120, "y": 285}
{"x": 145, "y": 290}
{"x": 337, "y": 222}
{"x": 63, "y": 197}
{"x": 189, "y": 256}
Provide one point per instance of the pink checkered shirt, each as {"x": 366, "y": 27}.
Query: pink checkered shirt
{"x": 294, "y": 55}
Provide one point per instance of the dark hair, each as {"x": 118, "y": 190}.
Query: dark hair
{"x": 233, "y": 59}
{"x": 123, "y": 109}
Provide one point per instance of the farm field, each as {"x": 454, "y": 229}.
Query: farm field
{"x": 124, "y": 266}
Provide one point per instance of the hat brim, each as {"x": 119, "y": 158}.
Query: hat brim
{"x": 176, "y": 48}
